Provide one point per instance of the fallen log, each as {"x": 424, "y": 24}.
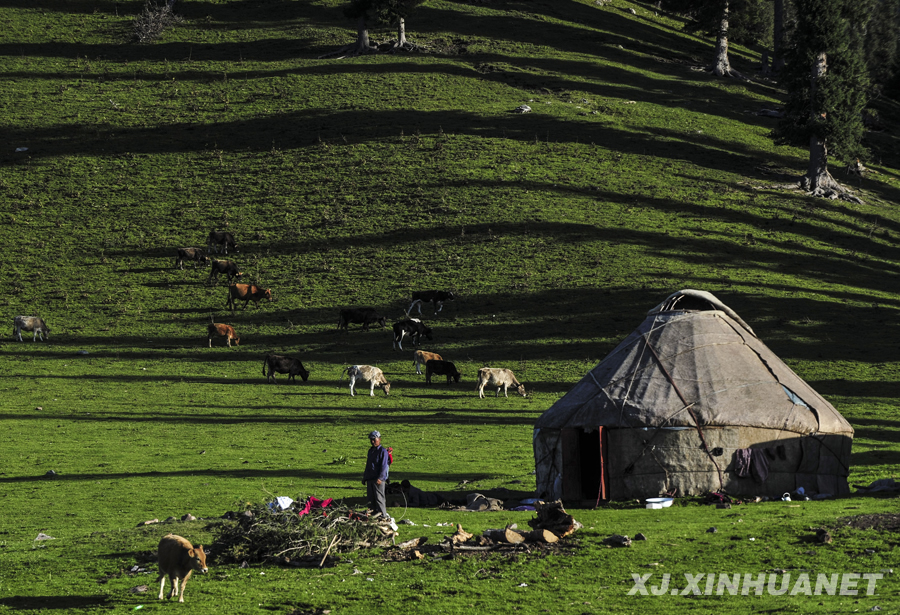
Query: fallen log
{"x": 544, "y": 536}
{"x": 506, "y": 535}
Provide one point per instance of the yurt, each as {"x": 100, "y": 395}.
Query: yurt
{"x": 691, "y": 402}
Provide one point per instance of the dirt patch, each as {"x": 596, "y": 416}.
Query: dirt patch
{"x": 879, "y": 521}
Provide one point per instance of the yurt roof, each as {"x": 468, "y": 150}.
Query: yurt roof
{"x": 694, "y": 359}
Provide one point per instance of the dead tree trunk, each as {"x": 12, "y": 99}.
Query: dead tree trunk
{"x": 721, "y": 66}
{"x": 401, "y": 32}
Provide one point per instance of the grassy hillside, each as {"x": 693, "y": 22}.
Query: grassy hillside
{"x": 352, "y": 182}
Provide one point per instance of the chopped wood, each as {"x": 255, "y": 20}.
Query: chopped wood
{"x": 552, "y": 516}
{"x": 415, "y": 542}
{"x": 544, "y": 536}
{"x": 508, "y": 536}
{"x": 460, "y": 536}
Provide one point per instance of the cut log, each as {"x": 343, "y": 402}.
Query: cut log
{"x": 545, "y": 536}
{"x": 507, "y": 535}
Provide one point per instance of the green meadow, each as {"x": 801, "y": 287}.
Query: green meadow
{"x": 353, "y": 182}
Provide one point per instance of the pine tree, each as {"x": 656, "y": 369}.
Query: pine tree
{"x": 395, "y": 12}
{"x": 737, "y": 19}
{"x": 826, "y": 84}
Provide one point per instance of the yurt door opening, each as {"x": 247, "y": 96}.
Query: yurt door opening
{"x": 586, "y": 461}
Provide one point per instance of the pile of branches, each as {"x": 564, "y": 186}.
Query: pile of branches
{"x": 266, "y": 534}
{"x": 153, "y": 20}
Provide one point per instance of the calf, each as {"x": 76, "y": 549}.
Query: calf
{"x": 414, "y": 328}
{"x": 360, "y": 316}
{"x": 421, "y": 357}
{"x": 190, "y": 254}
{"x": 221, "y": 238}
{"x": 226, "y": 331}
{"x": 247, "y": 293}
{"x": 177, "y": 560}
{"x": 229, "y": 268}
{"x": 367, "y": 375}
{"x": 283, "y": 365}
{"x": 30, "y": 323}
{"x": 436, "y": 297}
{"x": 497, "y": 377}
{"x": 441, "y": 368}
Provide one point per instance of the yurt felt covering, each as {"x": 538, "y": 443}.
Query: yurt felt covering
{"x": 678, "y": 405}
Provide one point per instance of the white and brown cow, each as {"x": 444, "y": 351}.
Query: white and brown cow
{"x": 30, "y": 323}
{"x": 499, "y": 377}
{"x": 367, "y": 374}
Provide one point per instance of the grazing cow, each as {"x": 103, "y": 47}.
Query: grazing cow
{"x": 190, "y": 254}
{"x": 221, "y": 238}
{"x": 421, "y": 357}
{"x": 498, "y": 377}
{"x": 367, "y": 374}
{"x": 441, "y": 368}
{"x": 30, "y": 323}
{"x": 226, "y": 331}
{"x": 360, "y": 316}
{"x": 229, "y": 268}
{"x": 177, "y": 560}
{"x": 436, "y": 297}
{"x": 283, "y": 365}
{"x": 247, "y": 293}
{"x": 414, "y": 328}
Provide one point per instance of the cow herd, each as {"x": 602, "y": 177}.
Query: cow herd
{"x": 413, "y": 329}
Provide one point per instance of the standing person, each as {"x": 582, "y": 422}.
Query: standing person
{"x": 376, "y": 474}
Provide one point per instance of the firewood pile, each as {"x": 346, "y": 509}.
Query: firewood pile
{"x": 266, "y": 534}
{"x": 551, "y": 524}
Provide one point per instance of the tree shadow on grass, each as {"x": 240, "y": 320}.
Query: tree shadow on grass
{"x": 319, "y": 473}
{"x": 66, "y": 602}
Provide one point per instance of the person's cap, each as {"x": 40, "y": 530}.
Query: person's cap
{"x": 374, "y": 434}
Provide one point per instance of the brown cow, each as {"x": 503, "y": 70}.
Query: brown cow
{"x": 227, "y": 331}
{"x": 247, "y": 293}
{"x": 421, "y": 357}
{"x": 177, "y": 560}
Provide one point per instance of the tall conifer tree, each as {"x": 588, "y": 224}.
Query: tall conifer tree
{"x": 826, "y": 84}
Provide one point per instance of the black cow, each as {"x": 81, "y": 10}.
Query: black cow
{"x": 360, "y": 316}
{"x": 190, "y": 254}
{"x": 283, "y": 365}
{"x": 229, "y": 268}
{"x": 437, "y": 297}
{"x": 412, "y": 327}
{"x": 441, "y": 368}
{"x": 221, "y": 238}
